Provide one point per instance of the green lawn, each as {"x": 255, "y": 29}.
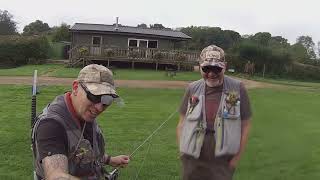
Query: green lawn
{"x": 56, "y": 70}
{"x": 125, "y": 74}
{"x": 282, "y": 81}
{"x": 28, "y": 70}
{"x": 283, "y": 143}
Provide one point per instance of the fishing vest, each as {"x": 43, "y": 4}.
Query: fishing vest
{"x": 227, "y": 124}
{"x": 84, "y": 157}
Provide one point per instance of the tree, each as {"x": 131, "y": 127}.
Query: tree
{"x": 157, "y": 26}
{"x": 307, "y": 42}
{"x": 299, "y": 53}
{"x": 204, "y": 36}
{"x": 142, "y": 25}
{"x": 35, "y": 28}
{"x": 319, "y": 49}
{"x": 279, "y": 40}
{"x": 7, "y": 25}
{"x": 230, "y": 38}
{"x": 61, "y": 33}
{"x": 262, "y": 38}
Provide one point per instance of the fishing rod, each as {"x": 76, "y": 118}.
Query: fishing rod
{"x": 34, "y": 98}
{"x": 113, "y": 175}
{"x": 34, "y": 114}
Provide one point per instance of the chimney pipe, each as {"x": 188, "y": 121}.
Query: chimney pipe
{"x": 117, "y": 23}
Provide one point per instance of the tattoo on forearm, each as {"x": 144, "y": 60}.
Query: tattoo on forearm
{"x": 55, "y": 163}
{"x": 61, "y": 178}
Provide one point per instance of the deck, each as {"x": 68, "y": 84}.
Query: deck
{"x": 88, "y": 53}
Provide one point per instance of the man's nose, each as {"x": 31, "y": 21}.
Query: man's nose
{"x": 100, "y": 107}
{"x": 211, "y": 73}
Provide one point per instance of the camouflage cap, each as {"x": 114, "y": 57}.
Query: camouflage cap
{"x": 212, "y": 56}
{"x": 98, "y": 79}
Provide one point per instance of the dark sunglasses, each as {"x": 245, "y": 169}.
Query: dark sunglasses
{"x": 214, "y": 69}
{"x": 104, "y": 99}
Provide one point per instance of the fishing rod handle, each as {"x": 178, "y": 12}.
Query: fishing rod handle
{"x": 33, "y": 109}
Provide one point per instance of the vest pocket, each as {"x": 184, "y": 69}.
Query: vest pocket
{"x": 194, "y": 110}
{"x": 230, "y": 137}
{"x": 231, "y": 112}
{"x": 192, "y": 134}
{"x": 191, "y": 139}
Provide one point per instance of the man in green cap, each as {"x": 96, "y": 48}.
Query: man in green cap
{"x": 67, "y": 141}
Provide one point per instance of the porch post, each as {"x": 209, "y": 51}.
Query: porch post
{"x": 132, "y": 64}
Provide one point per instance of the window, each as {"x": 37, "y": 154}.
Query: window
{"x": 133, "y": 43}
{"x": 96, "y": 40}
{"x": 142, "y": 43}
{"x": 153, "y": 44}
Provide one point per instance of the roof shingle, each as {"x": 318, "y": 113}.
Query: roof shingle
{"x": 128, "y": 29}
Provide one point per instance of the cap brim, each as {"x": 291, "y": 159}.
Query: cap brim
{"x": 219, "y": 64}
{"x": 100, "y": 89}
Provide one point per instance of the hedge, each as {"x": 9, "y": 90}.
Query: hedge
{"x": 19, "y": 50}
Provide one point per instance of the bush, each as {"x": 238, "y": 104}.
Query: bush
{"x": 83, "y": 51}
{"x": 18, "y": 50}
{"x": 180, "y": 56}
{"x": 304, "y": 72}
{"x": 134, "y": 54}
{"x": 109, "y": 52}
{"x": 158, "y": 55}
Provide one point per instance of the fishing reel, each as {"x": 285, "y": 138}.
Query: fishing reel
{"x": 113, "y": 175}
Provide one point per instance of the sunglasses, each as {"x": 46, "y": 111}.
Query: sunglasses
{"x": 214, "y": 69}
{"x": 104, "y": 99}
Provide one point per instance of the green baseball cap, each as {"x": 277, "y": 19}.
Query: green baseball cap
{"x": 212, "y": 56}
{"x": 98, "y": 79}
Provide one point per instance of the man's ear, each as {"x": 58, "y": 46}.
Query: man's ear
{"x": 75, "y": 87}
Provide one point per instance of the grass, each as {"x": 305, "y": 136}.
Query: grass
{"x": 282, "y": 81}
{"x": 28, "y": 70}
{"x": 55, "y": 70}
{"x": 283, "y": 143}
{"x": 60, "y": 71}
{"x": 288, "y": 82}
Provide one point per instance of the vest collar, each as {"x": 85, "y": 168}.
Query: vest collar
{"x": 68, "y": 100}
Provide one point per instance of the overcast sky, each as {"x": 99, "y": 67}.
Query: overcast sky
{"x": 287, "y": 18}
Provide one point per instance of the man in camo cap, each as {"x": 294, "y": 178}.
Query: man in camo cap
{"x": 214, "y": 121}
{"x": 67, "y": 141}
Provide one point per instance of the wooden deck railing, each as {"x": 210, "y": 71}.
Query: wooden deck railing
{"x": 143, "y": 54}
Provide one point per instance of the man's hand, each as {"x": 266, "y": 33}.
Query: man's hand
{"x": 234, "y": 162}
{"x": 245, "y": 128}
{"x": 179, "y": 128}
{"x": 121, "y": 160}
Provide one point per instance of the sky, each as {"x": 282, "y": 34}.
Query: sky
{"x": 286, "y": 18}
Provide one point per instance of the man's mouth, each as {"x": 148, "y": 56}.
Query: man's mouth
{"x": 93, "y": 113}
{"x": 213, "y": 77}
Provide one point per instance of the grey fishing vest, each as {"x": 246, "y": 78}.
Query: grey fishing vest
{"x": 83, "y": 157}
{"x": 227, "y": 125}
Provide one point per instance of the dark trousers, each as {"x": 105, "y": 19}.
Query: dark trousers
{"x": 207, "y": 167}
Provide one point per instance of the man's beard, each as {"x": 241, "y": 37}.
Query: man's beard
{"x": 217, "y": 82}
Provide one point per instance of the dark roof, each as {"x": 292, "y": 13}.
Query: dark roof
{"x": 128, "y": 29}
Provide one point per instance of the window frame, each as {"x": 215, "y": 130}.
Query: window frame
{"x": 138, "y": 42}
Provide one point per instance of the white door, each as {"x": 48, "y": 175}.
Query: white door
{"x": 96, "y": 45}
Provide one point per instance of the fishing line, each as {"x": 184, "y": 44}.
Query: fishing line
{"x": 150, "y": 136}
